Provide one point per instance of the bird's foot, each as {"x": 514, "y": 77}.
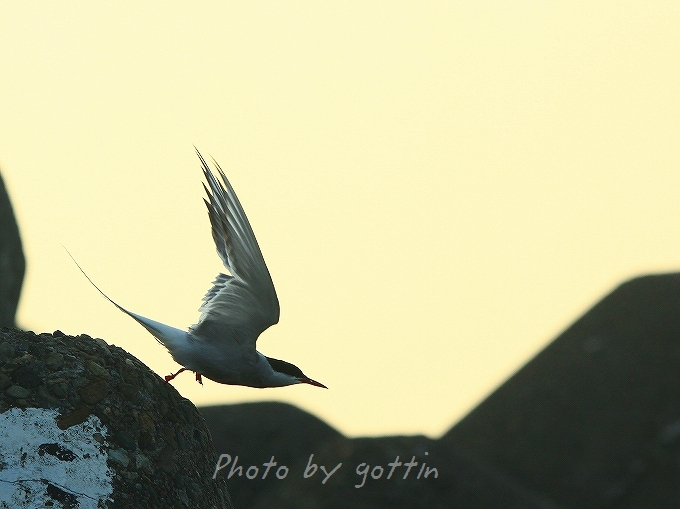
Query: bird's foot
{"x": 171, "y": 376}
{"x": 199, "y": 379}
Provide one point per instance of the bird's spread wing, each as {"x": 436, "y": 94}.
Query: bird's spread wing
{"x": 246, "y": 299}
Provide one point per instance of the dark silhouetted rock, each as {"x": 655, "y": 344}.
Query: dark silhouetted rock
{"x": 439, "y": 477}
{"x": 594, "y": 419}
{"x": 260, "y": 424}
{"x": 12, "y": 263}
{"x": 85, "y": 424}
{"x": 256, "y": 432}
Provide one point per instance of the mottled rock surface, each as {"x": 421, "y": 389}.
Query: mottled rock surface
{"x": 155, "y": 446}
{"x": 12, "y": 263}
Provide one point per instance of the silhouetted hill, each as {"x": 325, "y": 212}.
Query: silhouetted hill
{"x": 12, "y": 263}
{"x": 256, "y": 432}
{"x": 593, "y": 421}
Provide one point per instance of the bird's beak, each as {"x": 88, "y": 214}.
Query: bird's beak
{"x": 312, "y": 382}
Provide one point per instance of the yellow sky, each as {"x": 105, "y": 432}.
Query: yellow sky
{"x": 438, "y": 188}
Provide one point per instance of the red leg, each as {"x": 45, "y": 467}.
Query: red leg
{"x": 171, "y": 376}
{"x": 199, "y": 379}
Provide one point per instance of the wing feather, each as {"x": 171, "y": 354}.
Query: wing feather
{"x": 246, "y": 300}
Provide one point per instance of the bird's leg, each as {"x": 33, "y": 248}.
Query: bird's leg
{"x": 171, "y": 376}
{"x": 199, "y": 379}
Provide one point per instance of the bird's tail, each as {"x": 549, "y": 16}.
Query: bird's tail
{"x": 170, "y": 337}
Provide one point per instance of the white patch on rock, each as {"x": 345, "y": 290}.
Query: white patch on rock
{"x": 42, "y": 465}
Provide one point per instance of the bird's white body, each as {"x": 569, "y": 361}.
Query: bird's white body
{"x": 225, "y": 362}
{"x": 235, "y": 311}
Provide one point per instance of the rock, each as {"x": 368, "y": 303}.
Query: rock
{"x": 255, "y": 431}
{"x": 592, "y": 420}
{"x": 17, "y": 391}
{"x": 120, "y": 457}
{"x": 12, "y": 262}
{"x": 255, "y": 434}
{"x": 70, "y": 437}
{"x": 261, "y": 424}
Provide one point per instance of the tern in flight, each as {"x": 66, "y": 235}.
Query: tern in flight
{"x": 235, "y": 311}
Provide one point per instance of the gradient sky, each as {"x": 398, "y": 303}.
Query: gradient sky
{"x": 438, "y": 188}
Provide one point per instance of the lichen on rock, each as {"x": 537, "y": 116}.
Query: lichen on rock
{"x": 155, "y": 447}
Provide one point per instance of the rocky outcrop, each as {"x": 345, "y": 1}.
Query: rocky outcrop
{"x": 12, "y": 263}
{"x": 325, "y": 469}
{"x": 257, "y": 431}
{"x": 592, "y": 421}
{"x": 85, "y": 424}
